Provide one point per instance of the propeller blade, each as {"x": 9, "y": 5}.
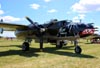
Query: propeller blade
{"x": 32, "y": 22}
{"x": 40, "y": 29}
{"x": 29, "y": 20}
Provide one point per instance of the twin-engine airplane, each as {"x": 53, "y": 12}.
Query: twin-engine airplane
{"x": 54, "y": 32}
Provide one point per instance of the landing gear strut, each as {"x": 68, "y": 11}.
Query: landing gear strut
{"x": 41, "y": 44}
{"x": 77, "y": 49}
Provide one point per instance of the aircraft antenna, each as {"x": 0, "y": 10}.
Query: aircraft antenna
{"x": 80, "y": 20}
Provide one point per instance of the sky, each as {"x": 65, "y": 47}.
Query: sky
{"x": 41, "y": 11}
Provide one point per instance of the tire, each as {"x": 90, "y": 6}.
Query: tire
{"x": 59, "y": 46}
{"x": 78, "y": 50}
{"x": 25, "y": 46}
{"x": 65, "y": 43}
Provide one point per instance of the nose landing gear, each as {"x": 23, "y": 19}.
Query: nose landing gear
{"x": 77, "y": 49}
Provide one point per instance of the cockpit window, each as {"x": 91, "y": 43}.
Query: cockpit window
{"x": 82, "y": 26}
{"x": 63, "y": 22}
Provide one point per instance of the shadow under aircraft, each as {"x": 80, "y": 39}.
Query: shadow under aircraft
{"x": 34, "y": 52}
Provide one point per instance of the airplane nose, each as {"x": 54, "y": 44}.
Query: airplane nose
{"x": 88, "y": 31}
{"x": 90, "y": 26}
{"x": 96, "y": 29}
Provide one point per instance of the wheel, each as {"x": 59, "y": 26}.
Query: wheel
{"x": 64, "y": 42}
{"x": 25, "y": 46}
{"x": 78, "y": 50}
{"x": 60, "y": 45}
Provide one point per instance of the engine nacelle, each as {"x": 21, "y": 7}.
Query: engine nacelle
{"x": 1, "y": 30}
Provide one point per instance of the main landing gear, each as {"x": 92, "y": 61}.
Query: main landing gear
{"x": 25, "y": 45}
{"x": 41, "y": 44}
{"x": 61, "y": 43}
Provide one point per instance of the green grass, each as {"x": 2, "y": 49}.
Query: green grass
{"x": 11, "y": 56}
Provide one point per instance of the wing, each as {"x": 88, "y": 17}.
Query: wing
{"x": 12, "y": 27}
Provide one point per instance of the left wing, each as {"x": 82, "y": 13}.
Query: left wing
{"x": 12, "y": 27}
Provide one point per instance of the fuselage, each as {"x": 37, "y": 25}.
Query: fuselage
{"x": 73, "y": 30}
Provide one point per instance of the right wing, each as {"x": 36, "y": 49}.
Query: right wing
{"x": 12, "y": 27}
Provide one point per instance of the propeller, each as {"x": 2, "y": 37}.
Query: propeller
{"x": 40, "y": 30}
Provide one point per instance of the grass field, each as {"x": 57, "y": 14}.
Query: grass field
{"x": 11, "y": 56}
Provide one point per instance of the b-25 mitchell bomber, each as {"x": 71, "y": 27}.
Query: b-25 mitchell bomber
{"x": 54, "y": 32}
